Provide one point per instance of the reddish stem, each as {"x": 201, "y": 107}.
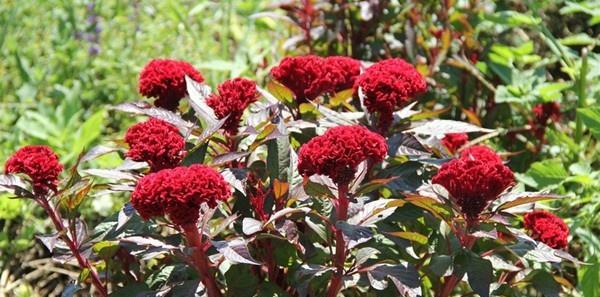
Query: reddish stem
{"x": 200, "y": 259}
{"x": 341, "y": 207}
{"x": 73, "y": 246}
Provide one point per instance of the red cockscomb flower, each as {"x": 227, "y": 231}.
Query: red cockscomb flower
{"x": 164, "y": 79}
{"x": 389, "y": 84}
{"x": 337, "y": 152}
{"x": 474, "y": 183}
{"x": 233, "y": 98}
{"x": 345, "y": 70}
{"x": 482, "y": 153}
{"x": 179, "y": 192}
{"x": 38, "y": 162}
{"x": 454, "y": 141}
{"x": 547, "y": 228}
{"x": 306, "y": 76}
{"x": 542, "y": 114}
{"x": 156, "y": 142}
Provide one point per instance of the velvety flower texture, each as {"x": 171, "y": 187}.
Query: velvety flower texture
{"x": 232, "y": 99}
{"x": 338, "y": 152}
{"x": 306, "y": 76}
{"x": 547, "y": 228}
{"x": 164, "y": 79}
{"x": 38, "y": 162}
{"x": 156, "y": 142}
{"x": 388, "y": 85}
{"x": 454, "y": 141}
{"x": 179, "y": 192}
{"x": 474, "y": 180}
{"x": 482, "y": 153}
{"x": 345, "y": 72}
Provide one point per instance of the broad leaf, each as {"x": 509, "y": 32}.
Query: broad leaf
{"x": 515, "y": 199}
{"x": 236, "y": 251}
{"x": 442, "y": 127}
{"x": 404, "y": 276}
{"x": 198, "y": 93}
{"x": 354, "y": 235}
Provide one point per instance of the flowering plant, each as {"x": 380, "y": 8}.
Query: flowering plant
{"x": 321, "y": 184}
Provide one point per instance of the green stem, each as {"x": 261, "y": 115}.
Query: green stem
{"x": 581, "y": 94}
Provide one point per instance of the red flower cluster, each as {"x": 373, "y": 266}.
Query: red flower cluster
{"x": 38, "y": 162}
{"x": 474, "y": 180}
{"x": 345, "y": 72}
{"x": 547, "y": 228}
{"x": 337, "y": 152}
{"x": 310, "y": 76}
{"x": 482, "y": 153}
{"x": 164, "y": 79}
{"x": 542, "y": 114}
{"x": 179, "y": 192}
{"x": 454, "y": 141}
{"x": 156, "y": 142}
{"x": 389, "y": 84}
{"x": 233, "y": 98}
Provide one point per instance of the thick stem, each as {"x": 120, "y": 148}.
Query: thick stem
{"x": 341, "y": 207}
{"x": 194, "y": 240}
{"x": 73, "y": 246}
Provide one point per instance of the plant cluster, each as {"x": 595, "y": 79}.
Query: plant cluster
{"x": 322, "y": 184}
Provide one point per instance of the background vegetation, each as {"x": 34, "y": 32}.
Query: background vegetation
{"x": 489, "y": 62}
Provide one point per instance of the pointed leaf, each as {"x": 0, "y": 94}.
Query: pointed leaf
{"x": 236, "y": 251}
{"x": 442, "y": 127}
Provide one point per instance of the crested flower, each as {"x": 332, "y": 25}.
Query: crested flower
{"x": 454, "y": 141}
{"x": 473, "y": 181}
{"x": 306, "y": 76}
{"x": 232, "y": 99}
{"x": 156, "y": 142}
{"x": 547, "y": 228}
{"x": 38, "y": 162}
{"x": 164, "y": 79}
{"x": 179, "y": 192}
{"x": 338, "y": 152}
{"x": 346, "y": 72}
{"x": 388, "y": 85}
{"x": 482, "y": 153}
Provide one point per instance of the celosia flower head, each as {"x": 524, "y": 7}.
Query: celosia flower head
{"x": 482, "y": 153}
{"x": 474, "y": 182}
{"x": 338, "y": 152}
{"x": 156, "y": 142}
{"x": 38, "y": 162}
{"x": 454, "y": 141}
{"x": 306, "y": 76}
{"x": 388, "y": 85}
{"x": 179, "y": 192}
{"x": 546, "y": 111}
{"x": 547, "y": 228}
{"x": 164, "y": 79}
{"x": 232, "y": 99}
{"x": 542, "y": 114}
{"x": 345, "y": 71}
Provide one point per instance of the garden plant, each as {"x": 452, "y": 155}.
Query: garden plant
{"x": 427, "y": 148}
